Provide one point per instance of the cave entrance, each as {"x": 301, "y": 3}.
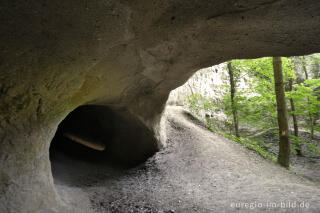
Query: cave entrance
{"x": 93, "y": 138}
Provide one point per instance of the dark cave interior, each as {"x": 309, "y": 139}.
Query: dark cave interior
{"x": 112, "y": 137}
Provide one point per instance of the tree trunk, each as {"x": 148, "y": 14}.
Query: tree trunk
{"x": 233, "y": 105}
{"x": 311, "y": 126}
{"x": 304, "y": 66}
{"x": 294, "y": 118}
{"x": 191, "y": 90}
{"x": 284, "y": 141}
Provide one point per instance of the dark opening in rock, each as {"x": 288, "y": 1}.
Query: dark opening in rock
{"x": 101, "y": 135}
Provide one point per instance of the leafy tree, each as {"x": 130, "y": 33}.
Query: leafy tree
{"x": 232, "y": 96}
{"x": 250, "y": 101}
{"x": 256, "y": 103}
{"x": 294, "y": 119}
{"x": 306, "y": 96}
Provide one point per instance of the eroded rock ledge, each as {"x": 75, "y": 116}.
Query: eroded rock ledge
{"x": 58, "y": 55}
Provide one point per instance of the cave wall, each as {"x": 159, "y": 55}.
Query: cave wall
{"x": 58, "y": 55}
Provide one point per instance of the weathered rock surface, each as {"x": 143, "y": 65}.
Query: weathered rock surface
{"x": 58, "y": 55}
{"x": 207, "y": 82}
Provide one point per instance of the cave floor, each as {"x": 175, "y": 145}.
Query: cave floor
{"x": 197, "y": 171}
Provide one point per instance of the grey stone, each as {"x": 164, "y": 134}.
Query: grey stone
{"x": 58, "y": 55}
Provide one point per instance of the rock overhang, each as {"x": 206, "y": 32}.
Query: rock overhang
{"x": 56, "y": 56}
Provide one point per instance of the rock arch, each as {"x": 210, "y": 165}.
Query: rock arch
{"x": 58, "y": 55}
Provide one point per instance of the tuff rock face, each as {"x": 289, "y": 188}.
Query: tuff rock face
{"x": 58, "y": 55}
{"x": 207, "y": 82}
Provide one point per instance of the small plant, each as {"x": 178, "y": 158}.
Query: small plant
{"x": 250, "y": 144}
{"x": 312, "y": 147}
{"x": 195, "y": 103}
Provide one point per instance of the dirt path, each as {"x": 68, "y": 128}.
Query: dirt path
{"x": 198, "y": 171}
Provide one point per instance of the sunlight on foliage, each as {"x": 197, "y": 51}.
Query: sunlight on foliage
{"x": 255, "y": 100}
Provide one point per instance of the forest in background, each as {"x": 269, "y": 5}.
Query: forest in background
{"x": 248, "y": 102}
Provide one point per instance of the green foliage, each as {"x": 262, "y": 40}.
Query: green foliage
{"x": 306, "y": 97}
{"x": 194, "y": 102}
{"x": 256, "y": 104}
{"x": 313, "y": 148}
{"x": 250, "y": 144}
{"x": 197, "y": 102}
{"x": 255, "y": 100}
